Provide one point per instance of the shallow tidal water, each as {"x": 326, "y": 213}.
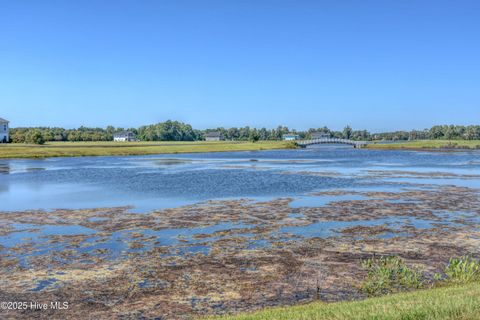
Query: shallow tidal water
{"x": 288, "y": 225}
{"x": 166, "y": 181}
{"x": 311, "y": 178}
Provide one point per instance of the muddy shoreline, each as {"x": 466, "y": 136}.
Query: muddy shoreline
{"x": 226, "y": 256}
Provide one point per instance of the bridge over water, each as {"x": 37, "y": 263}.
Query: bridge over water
{"x": 355, "y": 144}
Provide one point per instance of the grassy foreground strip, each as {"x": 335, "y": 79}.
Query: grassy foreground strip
{"x": 428, "y": 144}
{"x": 79, "y": 149}
{"x": 453, "y": 302}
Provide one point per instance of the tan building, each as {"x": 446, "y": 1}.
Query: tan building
{"x": 214, "y": 136}
{"x": 320, "y": 135}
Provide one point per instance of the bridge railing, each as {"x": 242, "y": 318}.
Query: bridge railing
{"x": 330, "y": 140}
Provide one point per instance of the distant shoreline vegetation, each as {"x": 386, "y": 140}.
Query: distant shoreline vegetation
{"x": 110, "y": 148}
{"x": 434, "y": 145}
{"x": 178, "y": 131}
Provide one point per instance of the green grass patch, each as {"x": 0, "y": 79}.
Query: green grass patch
{"x": 446, "y": 303}
{"x": 428, "y": 144}
{"x": 454, "y": 294}
{"x": 78, "y": 149}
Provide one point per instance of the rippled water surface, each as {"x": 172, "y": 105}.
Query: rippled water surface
{"x": 290, "y": 199}
{"x": 160, "y": 181}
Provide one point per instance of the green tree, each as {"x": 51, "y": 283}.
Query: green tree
{"x": 254, "y": 136}
{"x": 35, "y": 136}
{"x": 472, "y": 133}
{"x": 347, "y": 132}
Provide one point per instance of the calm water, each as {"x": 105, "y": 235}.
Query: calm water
{"x": 160, "y": 181}
{"x": 154, "y": 182}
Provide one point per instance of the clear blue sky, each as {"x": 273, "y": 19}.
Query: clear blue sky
{"x": 379, "y": 65}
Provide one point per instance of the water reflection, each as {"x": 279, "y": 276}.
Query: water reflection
{"x": 160, "y": 181}
{"x": 4, "y": 168}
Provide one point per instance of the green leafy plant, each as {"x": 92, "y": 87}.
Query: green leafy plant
{"x": 462, "y": 270}
{"x": 390, "y": 274}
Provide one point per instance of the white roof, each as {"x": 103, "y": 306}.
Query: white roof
{"x": 3, "y": 120}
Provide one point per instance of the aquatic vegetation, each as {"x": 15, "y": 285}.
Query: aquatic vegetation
{"x": 390, "y": 274}
{"x": 463, "y": 269}
{"x": 233, "y": 255}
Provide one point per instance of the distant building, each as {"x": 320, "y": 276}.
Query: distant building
{"x": 124, "y": 136}
{"x": 290, "y": 136}
{"x": 320, "y": 135}
{"x": 4, "y": 135}
{"x": 214, "y": 136}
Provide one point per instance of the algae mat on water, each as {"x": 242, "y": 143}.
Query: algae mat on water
{"x": 230, "y": 256}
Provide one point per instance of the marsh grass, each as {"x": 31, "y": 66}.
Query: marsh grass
{"x": 79, "y": 149}
{"x": 428, "y": 144}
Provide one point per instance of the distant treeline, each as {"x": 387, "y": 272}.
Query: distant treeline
{"x": 445, "y": 132}
{"x": 42, "y": 134}
{"x": 178, "y": 131}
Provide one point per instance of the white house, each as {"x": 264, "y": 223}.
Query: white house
{"x": 214, "y": 136}
{"x": 291, "y": 136}
{"x": 124, "y": 136}
{"x": 4, "y": 135}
